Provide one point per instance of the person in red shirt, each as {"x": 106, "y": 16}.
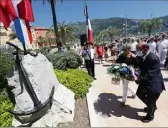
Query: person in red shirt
{"x": 100, "y": 52}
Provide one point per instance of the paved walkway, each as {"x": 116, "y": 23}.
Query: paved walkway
{"x": 104, "y": 104}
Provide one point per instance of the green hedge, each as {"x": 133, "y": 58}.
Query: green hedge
{"x": 5, "y": 105}
{"x": 76, "y": 80}
{"x": 5, "y": 64}
{"x": 65, "y": 60}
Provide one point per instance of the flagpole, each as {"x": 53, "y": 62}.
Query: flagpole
{"x": 86, "y": 15}
{"x": 88, "y": 24}
{"x": 85, "y": 3}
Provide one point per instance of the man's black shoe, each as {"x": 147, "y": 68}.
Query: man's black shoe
{"x": 146, "y": 119}
{"x": 146, "y": 109}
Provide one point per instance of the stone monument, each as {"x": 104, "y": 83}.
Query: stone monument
{"x": 42, "y": 77}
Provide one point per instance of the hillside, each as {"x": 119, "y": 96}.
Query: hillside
{"x": 100, "y": 24}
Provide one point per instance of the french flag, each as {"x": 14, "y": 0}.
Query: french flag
{"x": 24, "y": 12}
{"x": 21, "y": 13}
{"x": 7, "y": 13}
{"x": 133, "y": 73}
{"x": 89, "y": 28}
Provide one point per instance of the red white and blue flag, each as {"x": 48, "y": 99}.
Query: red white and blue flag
{"x": 133, "y": 73}
{"x": 21, "y": 14}
{"x": 88, "y": 27}
{"x": 7, "y": 12}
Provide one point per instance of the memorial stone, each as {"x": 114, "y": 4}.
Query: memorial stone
{"x": 42, "y": 77}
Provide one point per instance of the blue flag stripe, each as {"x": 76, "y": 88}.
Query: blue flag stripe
{"x": 19, "y": 31}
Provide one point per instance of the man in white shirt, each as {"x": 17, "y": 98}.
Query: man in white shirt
{"x": 152, "y": 45}
{"x": 133, "y": 45}
{"x": 157, "y": 46}
{"x": 78, "y": 49}
{"x": 88, "y": 54}
{"x": 74, "y": 48}
{"x": 163, "y": 49}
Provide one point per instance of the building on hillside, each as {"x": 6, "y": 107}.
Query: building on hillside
{"x": 41, "y": 32}
{"x": 37, "y": 32}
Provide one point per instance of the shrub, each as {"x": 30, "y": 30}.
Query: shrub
{"x": 65, "y": 60}
{"x": 44, "y": 50}
{"x": 6, "y": 63}
{"x": 76, "y": 80}
{"x": 5, "y": 105}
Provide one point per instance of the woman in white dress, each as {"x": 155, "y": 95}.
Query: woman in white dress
{"x": 128, "y": 58}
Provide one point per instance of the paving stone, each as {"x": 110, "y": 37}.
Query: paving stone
{"x": 104, "y": 104}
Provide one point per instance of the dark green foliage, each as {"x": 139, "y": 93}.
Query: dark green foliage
{"x": 6, "y": 63}
{"x": 76, "y": 80}
{"x": 5, "y": 105}
{"x": 65, "y": 60}
{"x": 44, "y": 50}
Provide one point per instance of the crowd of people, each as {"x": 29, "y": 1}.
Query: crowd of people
{"x": 147, "y": 54}
{"x": 157, "y": 44}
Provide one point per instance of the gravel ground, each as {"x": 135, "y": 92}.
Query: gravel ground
{"x": 81, "y": 119}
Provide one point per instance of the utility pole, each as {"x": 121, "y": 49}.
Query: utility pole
{"x": 126, "y": 28}
{"x": 126, "y": 24}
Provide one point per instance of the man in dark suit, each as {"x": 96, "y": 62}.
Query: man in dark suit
{"x": 151, "y": 82}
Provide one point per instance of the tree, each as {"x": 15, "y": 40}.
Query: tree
{"x": 52, "y": 3}
{"x": 108, "y": 33}
{"x": 150, "y": 25}
{"x": 65, "y": 32}
{"x": 157, "y": 24}
{"x": 40, "y": 41}
{"x": 100, "y": 37}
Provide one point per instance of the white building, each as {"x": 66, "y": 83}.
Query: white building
{"x": 3, "y": 35}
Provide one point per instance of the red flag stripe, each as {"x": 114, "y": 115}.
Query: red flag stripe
{"x": 26, "y": 13}
{"x": 25, "y": 10}
{"x": 29, "y": 32}
{"x": 7, "y": 12}
{"x": 90, "y": 34}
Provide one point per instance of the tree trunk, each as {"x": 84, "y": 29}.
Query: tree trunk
{"x": 54, "y": 20}
{"x": 149, "y": 32}
{"x": 111, "y": 39}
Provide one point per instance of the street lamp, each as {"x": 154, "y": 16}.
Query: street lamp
{"x": 126, "y": 28}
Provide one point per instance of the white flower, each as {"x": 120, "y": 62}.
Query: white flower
{"x": 123, "y": 64}
{"x": 116, "y": 67}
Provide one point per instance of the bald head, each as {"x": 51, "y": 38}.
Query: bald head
{"x": 144, "y": 47}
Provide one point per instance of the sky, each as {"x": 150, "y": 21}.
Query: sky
{"x": 73, "y": 10}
